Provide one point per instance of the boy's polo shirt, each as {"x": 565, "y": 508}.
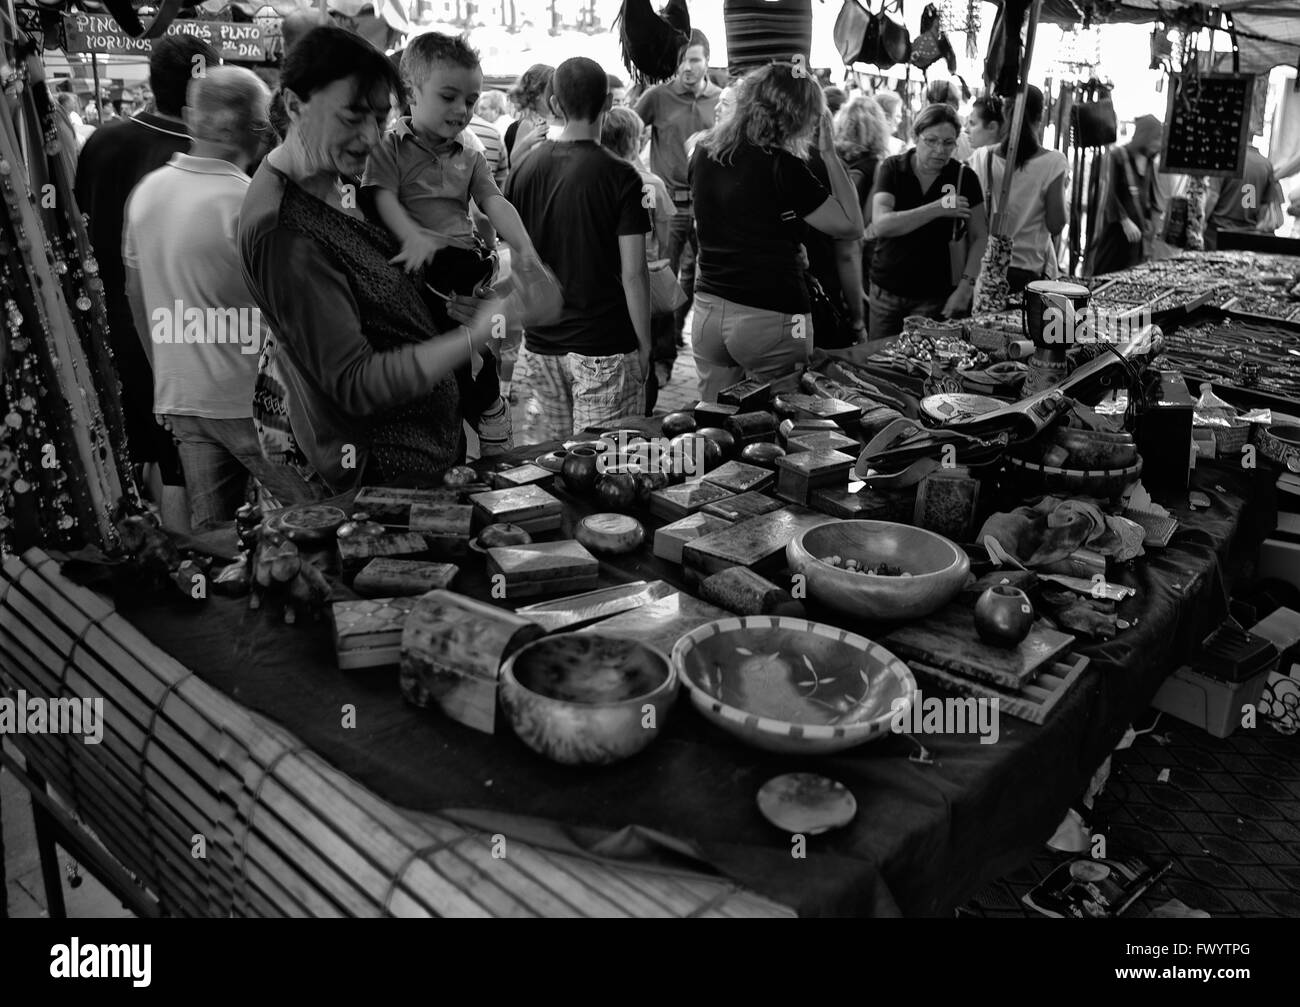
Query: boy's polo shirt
{"x": 434, "y": 182}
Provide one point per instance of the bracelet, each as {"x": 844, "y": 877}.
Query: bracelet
{"x": 969, "y": 279}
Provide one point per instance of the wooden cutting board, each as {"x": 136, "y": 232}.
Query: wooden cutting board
{"x": 1034, "y": 703}
{"x": 948, "y": 641}
{"x": 661, "y": 623}
{"x": 567, "y": 613}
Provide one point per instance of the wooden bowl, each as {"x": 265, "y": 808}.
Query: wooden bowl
{"x": 938, "y": 568}
{"x": 1104, "y": 484}
{"x": 1280, "y": 444}
{"x": 793, "y": 686}
{"x": 1091, "y": 450}
{"x": 580, "y": 698}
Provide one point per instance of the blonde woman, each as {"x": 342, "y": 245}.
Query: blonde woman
{"x": 862, "y": 139}
{"x": 753, "y": 193}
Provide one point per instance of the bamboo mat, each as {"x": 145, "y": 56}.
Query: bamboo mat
{"x": 220, "y": 812}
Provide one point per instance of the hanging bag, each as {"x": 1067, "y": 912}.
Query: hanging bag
{"x": 932, "y": 44}
{"x": 853, "y": 26}
{"x": 1092, "y": 116}
{"x": 895, "y": 42}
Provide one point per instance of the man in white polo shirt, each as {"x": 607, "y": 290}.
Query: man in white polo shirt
{"x": 193, "y": 310}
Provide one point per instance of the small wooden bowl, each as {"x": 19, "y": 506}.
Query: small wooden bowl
{"x": 580, "y": 698}
{"x": 938, "y": 568}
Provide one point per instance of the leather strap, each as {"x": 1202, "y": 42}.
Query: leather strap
{"x": 124, "y": 14}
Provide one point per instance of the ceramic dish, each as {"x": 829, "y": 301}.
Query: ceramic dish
{"x": 791, "y": 685}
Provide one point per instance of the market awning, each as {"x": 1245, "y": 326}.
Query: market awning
{"x": 1268, "y": 30}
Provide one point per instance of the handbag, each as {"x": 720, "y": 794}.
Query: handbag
{"x": 1092, "y": 116}
{"x": 852, "y": 27}
{"x": 666, "y": 293}
{"x": 932, "y": 44}
{"x": 895, "y": 42}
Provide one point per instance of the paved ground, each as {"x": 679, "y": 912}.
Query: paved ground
{"x": 23, "y": 885}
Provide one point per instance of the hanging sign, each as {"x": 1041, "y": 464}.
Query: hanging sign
{"x": 1207, "y": 124}
{"x": 99, "y": 33}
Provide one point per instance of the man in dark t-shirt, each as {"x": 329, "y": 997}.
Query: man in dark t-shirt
{"x": 116, "y": 156}
{"x": 585, "y": 211}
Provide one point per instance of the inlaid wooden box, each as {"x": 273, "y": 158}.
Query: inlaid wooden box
{"x": 529, "y": 507}
{"x": 543, "y": 568}
{"x": 804, "y": 471}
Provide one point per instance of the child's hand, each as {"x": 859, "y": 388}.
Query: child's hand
{"x": 418, "y": 250}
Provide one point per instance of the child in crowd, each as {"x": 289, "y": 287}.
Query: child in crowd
{"x": 422, "y": 176}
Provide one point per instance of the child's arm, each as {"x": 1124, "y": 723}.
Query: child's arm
{"x": 505, "y": 218}
{"x": 418, "y": 245}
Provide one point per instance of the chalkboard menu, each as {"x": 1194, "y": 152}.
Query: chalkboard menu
{"x": 1207, "y": 123}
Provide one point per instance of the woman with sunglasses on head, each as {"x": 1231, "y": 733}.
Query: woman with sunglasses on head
{"x": 923, "y": 200}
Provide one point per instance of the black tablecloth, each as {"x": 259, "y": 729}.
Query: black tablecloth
{"x": 925, "y": 836}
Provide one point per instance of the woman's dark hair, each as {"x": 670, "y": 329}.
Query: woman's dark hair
{"x": 327, "y": 54}
{"x": 989, "y": 107}
{"x": 1029, "y": 145}
{"x": 532, "y": 85}
{"x": 172, "y": 63}
{"x": 937, "y": 114}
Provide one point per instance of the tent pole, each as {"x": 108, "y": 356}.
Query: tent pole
{"x": 94, "y": 72}
{"x": 998, "y": 222}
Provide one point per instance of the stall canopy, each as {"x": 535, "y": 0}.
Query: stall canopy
{"x": 1268, "y": 30}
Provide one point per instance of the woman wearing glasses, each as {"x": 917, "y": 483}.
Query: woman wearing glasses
{"x": 922, "y": 202}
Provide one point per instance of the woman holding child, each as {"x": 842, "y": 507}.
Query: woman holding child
{"x": 370, "y": 394}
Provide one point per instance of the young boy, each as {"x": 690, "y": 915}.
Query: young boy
{"x": 422, "y": 176}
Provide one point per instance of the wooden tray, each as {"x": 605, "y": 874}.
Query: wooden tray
{"x": 948, "y": 640}
{"x": 1034, "y": 703}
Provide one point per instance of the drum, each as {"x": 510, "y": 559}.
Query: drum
{"x": 1053, "y": 311}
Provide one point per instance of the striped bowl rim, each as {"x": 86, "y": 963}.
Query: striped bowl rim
{"x": 768, "y": 725}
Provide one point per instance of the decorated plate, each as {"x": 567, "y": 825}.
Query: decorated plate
{"x": 806, "y": 803}
{"x": 792, "y": 685}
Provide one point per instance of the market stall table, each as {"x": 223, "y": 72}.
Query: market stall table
{"x": 926, "y": 835}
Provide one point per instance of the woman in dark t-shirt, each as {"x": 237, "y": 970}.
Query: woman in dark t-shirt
{"x": 923, "y": 200}
{"x": 751, "y": 191}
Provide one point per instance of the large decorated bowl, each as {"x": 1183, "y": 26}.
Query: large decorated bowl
{"x": 790, "y": 685}
{"x": 878, "y": 570}
{"x": 587, "y": 699}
